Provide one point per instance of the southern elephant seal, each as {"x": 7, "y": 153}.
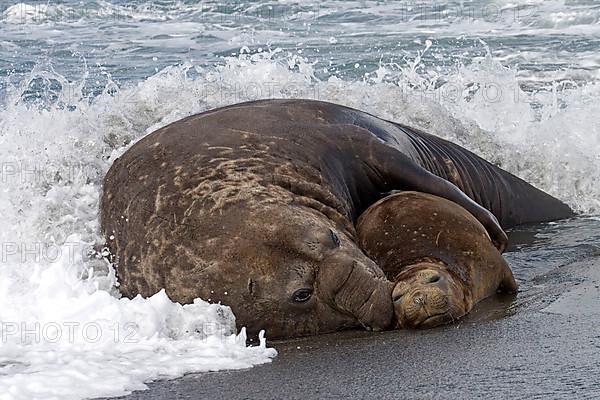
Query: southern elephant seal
{"x": 439, "y": 256}
{"x": 254, "y": 205}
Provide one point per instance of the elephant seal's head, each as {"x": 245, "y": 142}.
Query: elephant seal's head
{"x": 428, "y": 294}
{"x": 289, "y": 270}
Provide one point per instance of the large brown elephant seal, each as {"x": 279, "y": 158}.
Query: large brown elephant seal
{"x": 253, "y": 205}
{"x": 439, "y": 256}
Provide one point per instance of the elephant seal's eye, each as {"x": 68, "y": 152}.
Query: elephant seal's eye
{"x": 302, "y": 295}
{"x": 335, "y": 238}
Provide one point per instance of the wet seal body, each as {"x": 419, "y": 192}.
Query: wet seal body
{"x": 254, "y": 205}
{"x": 440, "y": 257}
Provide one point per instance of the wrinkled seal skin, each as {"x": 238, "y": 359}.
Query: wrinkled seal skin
{"x": 253, "y": 205}
{"x": 439, "y": 255}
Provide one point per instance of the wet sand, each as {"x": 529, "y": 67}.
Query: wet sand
{"x": 545, "y": 344}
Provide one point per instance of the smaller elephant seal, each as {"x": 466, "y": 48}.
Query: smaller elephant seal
{"x": 439, "y": 256}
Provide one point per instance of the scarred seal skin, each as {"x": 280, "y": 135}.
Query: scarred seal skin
{"x": 254, "y": 205}
{"x": 440, "y": 257}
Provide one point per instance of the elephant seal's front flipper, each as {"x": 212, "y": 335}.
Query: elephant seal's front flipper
{"x": 440, "y": 257}
{"x": 508, "y": 283}
{"x": 398, "y": 171}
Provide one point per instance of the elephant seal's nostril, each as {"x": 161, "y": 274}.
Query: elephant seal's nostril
{"x": 419, "y": 298}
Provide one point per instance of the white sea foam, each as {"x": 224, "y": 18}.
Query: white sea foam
{"x": 54, "y": 157}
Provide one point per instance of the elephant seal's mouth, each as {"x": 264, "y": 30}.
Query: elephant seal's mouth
{"x": 423, "y": 320}
{"x": 435, "y": 320}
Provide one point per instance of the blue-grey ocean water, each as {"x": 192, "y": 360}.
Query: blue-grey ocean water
{"x": 516, "y": 81}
